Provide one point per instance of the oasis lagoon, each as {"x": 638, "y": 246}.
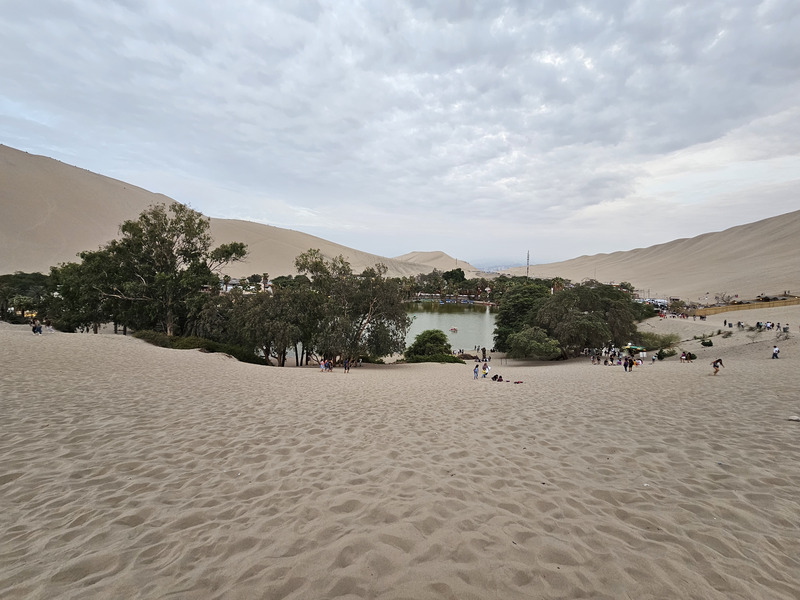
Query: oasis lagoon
{"x": 466, "y": 325}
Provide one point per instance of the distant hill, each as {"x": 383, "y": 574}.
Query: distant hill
{"x": 50, "y": 211}
{"x": 748, "y": 260}
{"x": 441, "y": 261}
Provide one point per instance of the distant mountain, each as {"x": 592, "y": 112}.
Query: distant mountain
{"x": 748, "y": 260}
{"x": 50, "y": 211}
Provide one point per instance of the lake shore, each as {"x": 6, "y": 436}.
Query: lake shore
{"x": 132, "y": 471}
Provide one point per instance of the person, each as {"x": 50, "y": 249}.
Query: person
{"x": 717, "y": 364}
{"x": 346, "y": 365}
{"x": 485, "y": 369}
{"x": 775, "y": 351}
{"x": 476, "y": 372}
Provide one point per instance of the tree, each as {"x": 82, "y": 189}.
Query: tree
{"x": 357, "y": 315}
{"x": 431, "y": 345}
{"x": 589, "y": 315}
{"x": 533, "y": 342}
{"x": 518, "y": 310}
{"x": 160, "y": 268}
{"x": 267, "y": 322}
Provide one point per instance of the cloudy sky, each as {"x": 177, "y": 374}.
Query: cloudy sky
{"x": 484, "y": 129}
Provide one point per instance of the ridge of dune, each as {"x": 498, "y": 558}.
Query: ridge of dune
{"x": 440, "y": 260}
{"x": 747, "y": 260}
{"x": 50, "y": 211}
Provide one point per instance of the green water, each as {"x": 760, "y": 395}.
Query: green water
{"x": 475, "y": 323}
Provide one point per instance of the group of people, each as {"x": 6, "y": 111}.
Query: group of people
{"x": 627, "y": 362}
{"x": 485, "y": 370}
{"x": 36, "y": 326}
{"x": 769, "y": 326}
{"x": 326, "y": 365}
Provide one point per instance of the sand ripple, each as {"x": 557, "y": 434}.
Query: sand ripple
{"x": 135, "y": 472}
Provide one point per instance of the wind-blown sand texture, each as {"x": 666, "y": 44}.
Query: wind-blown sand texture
{"x": 130, "y": 471}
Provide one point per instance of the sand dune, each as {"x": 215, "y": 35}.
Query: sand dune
{"x": 130, "y": 471}
{"x": 748, "y": 260}
{"x": 441, "y": 261}
{"x": 50, "y": 211}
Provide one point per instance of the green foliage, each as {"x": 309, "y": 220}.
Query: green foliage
{"x": 651, "y": 341}
{"x": 161, "y": 339}
{"x": 665, "y": 353}
{"x": 153, "y": 277}
{"x": 431, "y": 342}
{"x": 455, "y": 276}
{"x": 518, "y": 310}
{"x": 22, "y": 291}
{"x": 706, "y": 343}
{"x": 353, "y": 315}
{"x": 691, "y": 356}
{"x": 588, "y": 315}
{"x": 533, "y": 342}
{"x": 437, "y": 358}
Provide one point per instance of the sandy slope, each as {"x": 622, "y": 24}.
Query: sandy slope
{"x": 748, "y": 260}
{"x": 441, "y": 261}
{"x": 129, "y": 471}
{"x": 50, "y": 211}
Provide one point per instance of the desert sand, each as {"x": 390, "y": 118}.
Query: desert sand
{"x": 130, "y": 471}
{"x": 51, "y": 211}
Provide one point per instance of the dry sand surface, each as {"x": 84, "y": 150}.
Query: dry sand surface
{"x": 51, "y": 211}
{"x": 752, "y": 259}
{"x": 129, "y": 471}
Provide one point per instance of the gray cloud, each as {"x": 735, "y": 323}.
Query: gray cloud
{"x": 480, "y": 128}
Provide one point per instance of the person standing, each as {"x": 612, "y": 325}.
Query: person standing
{"x": 775, "y": 352}
{"x": 475, "y": 371}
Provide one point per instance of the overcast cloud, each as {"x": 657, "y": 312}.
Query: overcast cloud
{"x": 484, "y": 129}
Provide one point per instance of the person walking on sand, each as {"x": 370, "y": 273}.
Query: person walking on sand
{"x": 775, "y": 352}
{"x": 717, "y": 364}
{"x": 476, "y": 372}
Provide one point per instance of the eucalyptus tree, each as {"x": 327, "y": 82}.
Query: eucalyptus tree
{"x": 357, "y": 314}
{"x": 155, "y": 276}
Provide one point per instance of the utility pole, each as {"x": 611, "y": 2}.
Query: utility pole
{"x": 528, "y": 266}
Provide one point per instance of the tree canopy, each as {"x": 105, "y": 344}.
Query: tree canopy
{"x": 153, "y": 277}
{"x": 589, "y": 315}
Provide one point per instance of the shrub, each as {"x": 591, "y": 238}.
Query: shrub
{"x": 665, "y": 353}
{"x": 439, "y": 358}
{"x": 706, "y": 343}
{"x": 431, "y": 342}
{"x": 240, "y": 353}
{"x": 655, "y": 340}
